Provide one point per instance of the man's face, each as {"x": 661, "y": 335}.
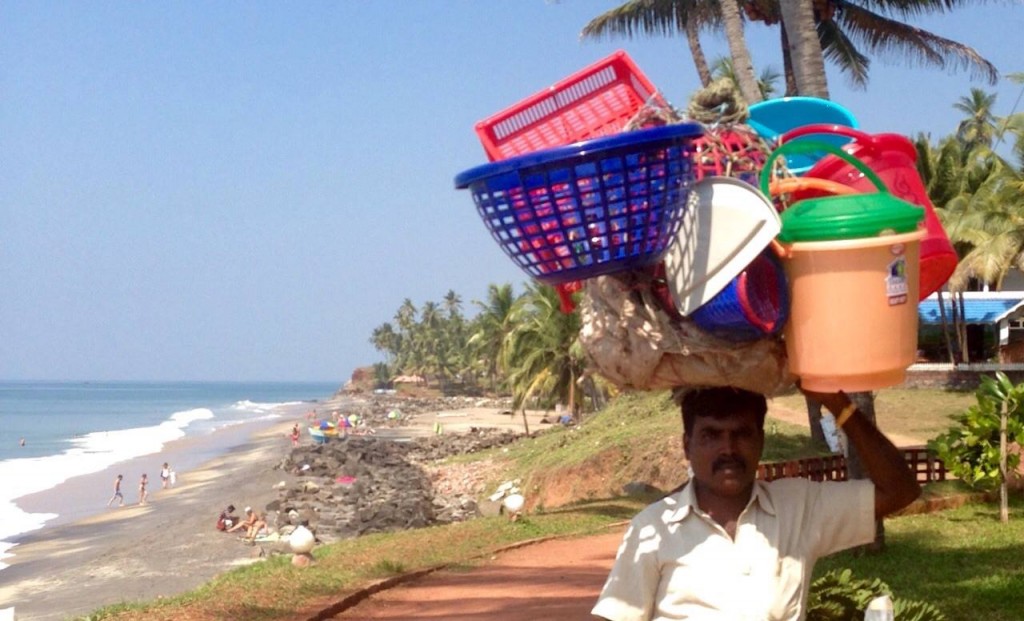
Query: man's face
{"x": 724, "y": 452}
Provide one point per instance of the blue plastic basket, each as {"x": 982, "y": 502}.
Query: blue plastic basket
{"x": 590, "y": 208}
{"x": 752, "y": 306}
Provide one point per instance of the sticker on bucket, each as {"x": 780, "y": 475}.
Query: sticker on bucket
{"x": 896, "y": 282}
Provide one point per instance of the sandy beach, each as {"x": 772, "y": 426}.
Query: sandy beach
{"x": 170, "y": 545}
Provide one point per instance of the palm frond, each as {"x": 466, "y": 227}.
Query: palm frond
{"x": 885, "y": 36}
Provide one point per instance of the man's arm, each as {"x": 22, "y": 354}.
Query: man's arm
{"x": 895, "y": 485}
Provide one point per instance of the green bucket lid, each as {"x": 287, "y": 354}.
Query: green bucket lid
{"x": 850, "y": 216}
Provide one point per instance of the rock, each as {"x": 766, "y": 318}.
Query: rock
{"x": 640, "y": 489}
{"x": 302, "y": 560}
{"x": 362, "y": 485}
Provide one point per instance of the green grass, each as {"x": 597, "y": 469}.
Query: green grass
{"x": 963, "y": 561}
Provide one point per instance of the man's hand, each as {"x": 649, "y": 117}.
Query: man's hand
{"x": 895, "y": 485}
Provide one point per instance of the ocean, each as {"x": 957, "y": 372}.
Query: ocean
{"x": 53, "y": 431}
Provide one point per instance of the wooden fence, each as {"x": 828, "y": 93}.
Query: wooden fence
{"x": 925, "y": 464}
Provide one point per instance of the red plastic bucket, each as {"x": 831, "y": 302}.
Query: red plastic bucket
{"x": 893, "y": 158}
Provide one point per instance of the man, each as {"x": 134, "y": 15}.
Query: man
{"x": 117, "y": 491}
{"x": 729, "y": 547}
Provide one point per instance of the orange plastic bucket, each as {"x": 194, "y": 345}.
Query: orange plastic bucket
{"x": 853, "y": 304}
{"x": 849, "y": 328}
{"x": 893, "y": 158}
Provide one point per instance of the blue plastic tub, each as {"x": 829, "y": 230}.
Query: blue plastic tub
{"x": 590, "y": 208}
{"x": 754, "y": 305}
{"x": 773, "y": 117}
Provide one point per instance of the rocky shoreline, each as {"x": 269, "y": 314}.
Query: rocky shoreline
{"x": 361, "y": 485}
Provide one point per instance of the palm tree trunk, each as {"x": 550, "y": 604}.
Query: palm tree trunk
{"x": 814, "y": 421}
{"x": 1004, "y": 506}
{"x": 572, "y": 398}
{"x": 965, "y": 354}
{"x": 955, "y": 310}
{"x": 945, "y": 326}
{"x": 742, "y": 64}
{"x": 697, "y": 52}
{"x": 805, "y": 47}
{"x": 787, "y": 64}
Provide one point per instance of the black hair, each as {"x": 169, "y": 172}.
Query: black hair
{"x": 231, "y": 508}
{"x": 721, "y": 401}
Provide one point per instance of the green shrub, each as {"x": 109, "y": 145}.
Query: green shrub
{"x": 838, "y": 596}
{"x": 970, "y": 450}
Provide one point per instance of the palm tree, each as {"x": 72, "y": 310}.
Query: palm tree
{"x": 492, "y": 324}
{"x": 979, "y": 128}
{"x": 803, "y": 47}
{"x": 542, "y": 354}
{"x": 844, "y": 28}
{"x": 722, "y": 68}
{"x": 385, "y": 339}
{"x": 687, "y": 16}
{"x": 978, "y": 196}
{"x": 652, "y": 17}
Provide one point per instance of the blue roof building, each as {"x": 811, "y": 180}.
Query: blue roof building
{"x": 994, "y": 325}
{"x": 985, "y": 307}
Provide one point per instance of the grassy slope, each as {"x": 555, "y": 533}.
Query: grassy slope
{"x": 637, "y": 434}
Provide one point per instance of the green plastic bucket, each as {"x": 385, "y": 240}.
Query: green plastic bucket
{"x": 851, "y": 216}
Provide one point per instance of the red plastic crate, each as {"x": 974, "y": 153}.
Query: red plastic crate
{"x": 596, "y": 101}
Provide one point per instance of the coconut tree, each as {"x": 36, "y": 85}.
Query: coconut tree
{"x": 766, "y": 80}
{"x": 978, "y": 128}
{"x": 385, "y": 339}
{"x": 651, "y": 17}
{"x": 492, "y": 327}
{"x": 851, "y": 30}
{"x": 542, "y": 354}
{"x": 978, "y": 197}
{"x": 665, "y": 17}
{"x": 847, "y": 31}
{"x": 801, "y": 45}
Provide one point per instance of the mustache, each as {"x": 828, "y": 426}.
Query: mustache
{"x": 728, "y": 462}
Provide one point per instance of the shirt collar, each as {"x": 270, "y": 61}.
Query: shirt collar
{"x": 684, "y": 502}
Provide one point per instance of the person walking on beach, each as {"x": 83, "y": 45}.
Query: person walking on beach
{"x": 117, "y": 491}
{"x": 165, "y": 476}
{"x": 142, "y": 488}
{"x": 295, "y": 435}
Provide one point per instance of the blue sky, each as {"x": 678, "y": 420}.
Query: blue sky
{"x": 244, "y": 190}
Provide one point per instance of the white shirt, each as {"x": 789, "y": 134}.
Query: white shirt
{"x": 676, "y": 562}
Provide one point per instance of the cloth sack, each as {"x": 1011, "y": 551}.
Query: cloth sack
{"x": 633, "y": 342}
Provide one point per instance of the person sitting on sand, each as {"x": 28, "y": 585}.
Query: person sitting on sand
{"x": 227, "y": 518}
{"x": 253, "y": 524}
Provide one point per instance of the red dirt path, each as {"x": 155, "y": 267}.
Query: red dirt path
{"x": 557, "y": 579}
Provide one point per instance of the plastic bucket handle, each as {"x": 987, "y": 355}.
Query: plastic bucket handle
{"x": 795, "y": 184}
{"x": 825, "y": 128}
{"x": 814, "y": 147}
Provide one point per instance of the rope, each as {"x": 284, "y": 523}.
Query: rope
{"x": 718, "y": 102}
